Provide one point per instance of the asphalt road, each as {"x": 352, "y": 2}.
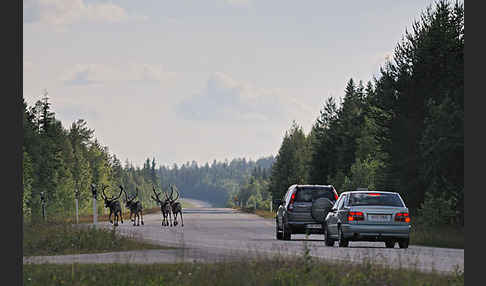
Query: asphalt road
{"x": 215, "y": 234}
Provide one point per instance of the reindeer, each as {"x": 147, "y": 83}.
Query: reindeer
{"x": 113, "y": 204}
{"x": 134, "y": 207}
{"x": 165, "y": 208}
{"x": 175, "y": 206}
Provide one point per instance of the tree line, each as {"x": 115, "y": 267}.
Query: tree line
{"x": 217, "y": 183}
{"x": 402, "y": 131}
{"x": 57, "y": 161}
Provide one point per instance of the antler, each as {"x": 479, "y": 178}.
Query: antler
{"x": 171, "y": 192}
{"x": 93, "y": 189}
{"x": 157, "y": 199}
{"x": 177, "y": 192}
{"x": 121, "y": 190}
{"x": 136, "y": 194}
{"x": 103, "y": 187}
{"x": 126, "y": 196}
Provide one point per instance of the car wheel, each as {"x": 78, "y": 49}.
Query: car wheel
{"x": 342, "y": 241}
{"x": 328, "y": 241}
{"x": 403, "y": 243}
{"x": 390, "y": 244}
{"x": 277, "y": 231}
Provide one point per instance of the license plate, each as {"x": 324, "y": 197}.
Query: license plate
{"x": 378, "y": 217}
{"x": 314, "y": 226}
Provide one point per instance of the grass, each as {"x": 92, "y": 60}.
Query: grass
{"x": 186, "y": 204}
{"x": 263, "y": 271}
{"x": 262, "y": 213}
{"x": 56, "y": 238}
{"x": 437, "y": 236}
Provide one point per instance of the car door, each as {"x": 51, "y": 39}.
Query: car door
{"x": 342, "y": 212}
{"x": 282, "y": 208}
{"x": 332, "y": 217}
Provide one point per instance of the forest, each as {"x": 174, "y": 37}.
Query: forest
{"x": 57, "y": 161}
{"x": 402, "y": 130}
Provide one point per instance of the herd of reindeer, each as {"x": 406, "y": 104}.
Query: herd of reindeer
{"x": 169, "y": 206}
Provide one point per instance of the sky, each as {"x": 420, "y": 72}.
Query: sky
{"x": 193, "y": 80}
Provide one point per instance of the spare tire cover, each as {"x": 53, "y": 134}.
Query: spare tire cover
{"x": 320, "y": 208}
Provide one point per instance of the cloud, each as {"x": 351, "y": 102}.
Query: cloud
{"x": 226, "y": 99}
{"x": 87, "y": 74}
{"x": 67, "y": 12}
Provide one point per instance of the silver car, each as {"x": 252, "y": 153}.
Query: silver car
{"x": 368, "y": 216}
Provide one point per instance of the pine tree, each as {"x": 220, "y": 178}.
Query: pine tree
{"x": 291, "y": 163}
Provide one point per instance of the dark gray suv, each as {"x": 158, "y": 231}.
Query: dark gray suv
{"x": 303, "y": 209}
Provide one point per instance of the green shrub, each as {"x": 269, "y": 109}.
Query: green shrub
{"x": 437, "y": 210}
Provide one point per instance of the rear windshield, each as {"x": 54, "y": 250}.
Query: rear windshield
{"x": 375, "y": 199}
{"x": 310, "y": 194}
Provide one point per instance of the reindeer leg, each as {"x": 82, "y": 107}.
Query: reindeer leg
{"x": 141, "y": 213}
{"x": 109, "y": 217}
{"x": 182, "y": 220}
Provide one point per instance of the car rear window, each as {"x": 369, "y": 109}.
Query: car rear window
{"x": 375, "y": 199}
{"x": 310, "y": 194}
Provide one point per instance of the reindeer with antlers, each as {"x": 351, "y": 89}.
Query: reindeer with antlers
{"x": 175, "y": 206}
{"x": 135, "y": 207}
{"x": 165, "y": 208}
{"x": 113, "y": 204}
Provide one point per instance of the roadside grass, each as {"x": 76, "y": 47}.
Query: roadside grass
{"x": 59, "y": 237}
{"x": 263, "y": 271}
{"x": 437, "y": 236}
{"x": 262, "y": 213}
{"x": 186, "y": 204}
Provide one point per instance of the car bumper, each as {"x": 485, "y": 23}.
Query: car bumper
{"x": 375, "y": 232}
{"x": 305, "y": 227}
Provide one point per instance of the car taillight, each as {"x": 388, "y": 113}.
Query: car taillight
{"x": 403, "y": 217}
{"x": 353, "y": 216}
{"x": 336, "y": 197}
{"x": 291, "y": 203}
